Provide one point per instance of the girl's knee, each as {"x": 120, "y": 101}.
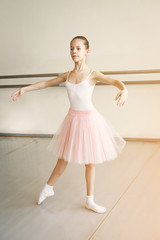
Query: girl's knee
{"x": 62, "y": 162}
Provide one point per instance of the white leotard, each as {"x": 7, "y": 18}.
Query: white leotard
{"x": 80, "y": 94}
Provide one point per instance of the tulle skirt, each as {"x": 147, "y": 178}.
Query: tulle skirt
{"x": 86, "y": 137}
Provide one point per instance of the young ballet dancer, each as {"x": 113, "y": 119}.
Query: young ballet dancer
{"x": 84, "y": 136}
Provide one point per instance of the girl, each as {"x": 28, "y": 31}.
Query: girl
{"x": 84, "y": 136}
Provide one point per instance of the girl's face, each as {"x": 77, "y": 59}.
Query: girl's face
{"x": 78, "y": 50}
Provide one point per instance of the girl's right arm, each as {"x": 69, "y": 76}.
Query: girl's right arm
{"x": 39, "y": 85}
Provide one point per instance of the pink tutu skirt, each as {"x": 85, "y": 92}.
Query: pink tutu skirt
{"x": 86, "y": 137}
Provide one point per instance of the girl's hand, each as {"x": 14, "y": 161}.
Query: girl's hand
{"x": 122, "y": 96}
{"x": 15, "y": 96}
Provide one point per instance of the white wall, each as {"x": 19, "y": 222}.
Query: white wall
{"x": 35, "y": 34}
{"x": 123, "y": 35}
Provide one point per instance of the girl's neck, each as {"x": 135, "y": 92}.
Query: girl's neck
{"x": 80, "y": 67}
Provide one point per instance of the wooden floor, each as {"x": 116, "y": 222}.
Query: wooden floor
{"x": 129, "y": 187}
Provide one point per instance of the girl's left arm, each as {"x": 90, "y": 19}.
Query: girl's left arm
{"x": 123, "y": 93}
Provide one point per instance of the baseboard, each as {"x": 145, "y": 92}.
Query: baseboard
{"x": 35, "y": 135}
{"x": 51, "y": 135}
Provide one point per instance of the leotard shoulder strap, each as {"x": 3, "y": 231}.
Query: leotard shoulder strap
{"x": 89, "y": 74}
{"x": 68, "y": 76}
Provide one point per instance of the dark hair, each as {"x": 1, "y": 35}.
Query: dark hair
{"x": 85, "y": 41}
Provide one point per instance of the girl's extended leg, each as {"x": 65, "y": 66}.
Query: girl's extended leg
{"x": 90, "y": 180}
{"x": 48, "y": 191}
{"x": 57, "y": 171}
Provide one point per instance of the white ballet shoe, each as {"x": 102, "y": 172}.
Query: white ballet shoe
{"x": 96, "y": 208}
{"x": 47, "y": 191}
{"x": 91, "y": 205}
